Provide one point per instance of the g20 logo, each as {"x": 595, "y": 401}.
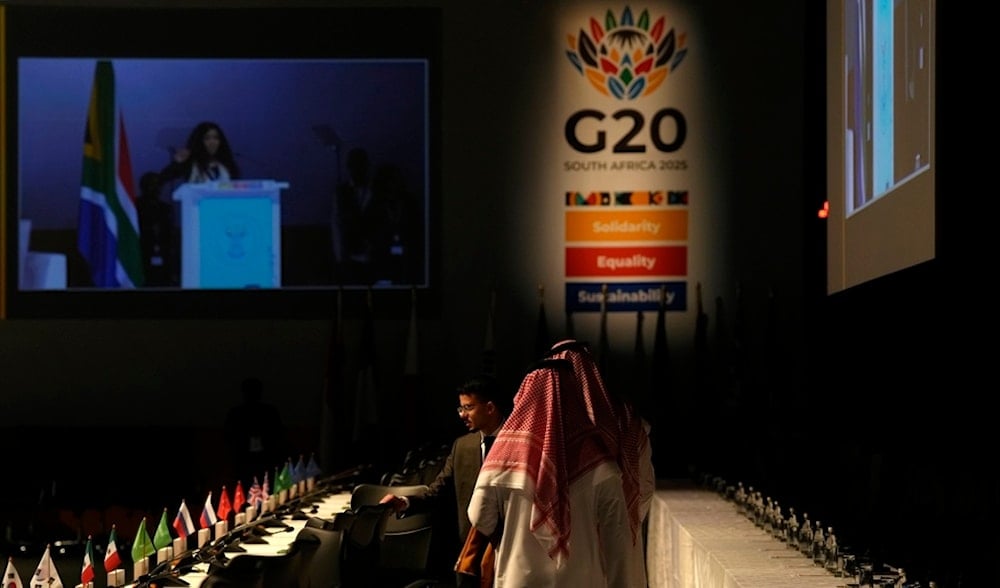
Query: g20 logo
{"x": 667, "y": 131}
{"x": 627, "y": 58}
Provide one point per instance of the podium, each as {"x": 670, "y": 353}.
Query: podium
{"x": 230, "y": 233}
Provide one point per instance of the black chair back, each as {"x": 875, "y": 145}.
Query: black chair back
{"x": 406, "y": 544}
{"x": 371, "y": 494}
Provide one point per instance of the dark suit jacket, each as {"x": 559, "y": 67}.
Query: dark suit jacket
{"x": 461, "y": 468}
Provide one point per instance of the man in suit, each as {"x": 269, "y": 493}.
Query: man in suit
{"x": 480, "y": 411}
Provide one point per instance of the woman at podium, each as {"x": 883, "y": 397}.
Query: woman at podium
{"x": 206, "y": 157}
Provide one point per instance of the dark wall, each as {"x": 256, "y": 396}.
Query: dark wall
{"x": 885, "y": 442}
{"x": 861, "y": 408}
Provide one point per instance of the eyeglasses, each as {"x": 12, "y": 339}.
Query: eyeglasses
{"x": 465, "y": 408}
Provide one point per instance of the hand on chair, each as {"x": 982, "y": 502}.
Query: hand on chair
{"x": 398, "y": 504}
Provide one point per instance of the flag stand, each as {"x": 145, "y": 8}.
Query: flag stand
{"x": 220, "y": 529}
{"x": 140, "y": 568}
{"x": 116, "y": 578}
{"x": 180, "y": 544}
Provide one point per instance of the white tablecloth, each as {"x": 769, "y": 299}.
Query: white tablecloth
{"x": 280, "y": 540}
{"x": 697, "y": 539}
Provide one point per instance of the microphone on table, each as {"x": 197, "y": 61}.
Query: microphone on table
{"x": 352, "y": 472}
{"x": 215, "y": 551}
{"x": 168, "y": 572}
{"x": 255, "y": 534}
{"x": 251, "y": 526}
{"x": 294, "y": 507}
{"x": 274, "y": 518}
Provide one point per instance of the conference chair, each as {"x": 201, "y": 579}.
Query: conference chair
{"x": 241, "y": 572}
{"x": 406, "y": 546}
{"x": 433, "y": 461}
{"x": 406, "y": 549}
{"x": 370, "y": 494}
{"x": 319, "y": 553}
{"x": 429, "y": 470}
{"x": 405, "y": 477}
{"x": 340, "y": 551}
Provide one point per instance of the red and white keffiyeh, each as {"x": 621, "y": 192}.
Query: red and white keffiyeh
{"x": 617, "y": 421}
{"x": 547, "y": 442}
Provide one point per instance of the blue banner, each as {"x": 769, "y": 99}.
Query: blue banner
{"x": 626, "y": 296}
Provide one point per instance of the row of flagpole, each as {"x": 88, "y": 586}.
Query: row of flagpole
{"x": 650, "y": 379}
{"x": 652, "y": 374}
{"x": 353, "y": 422}
{"x": 355, "y": 418}
{"x": 170, "y": 539}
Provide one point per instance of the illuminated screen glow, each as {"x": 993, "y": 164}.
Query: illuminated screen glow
{"x": 880, "y": 137}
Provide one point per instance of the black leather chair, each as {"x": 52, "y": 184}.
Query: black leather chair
{"x": 371, "y": 494}
{"x": 249, "y": 571}
{"x": 406, "y": 546}
{"x": 406, "y": 549}
{"x": 319, "y": 552}
{"x": 340, "y": 552}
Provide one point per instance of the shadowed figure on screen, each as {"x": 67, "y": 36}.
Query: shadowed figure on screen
{"x": 254, "y": 433}
{"x": 375, "y": 229}
{"x": 355, "y": 221}
{"x": 398, "y": 253}
{"x": 156, "y": 233}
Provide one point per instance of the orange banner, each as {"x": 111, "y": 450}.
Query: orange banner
{"x": 626, "y": 225}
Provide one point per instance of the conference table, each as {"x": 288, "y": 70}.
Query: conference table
{"x": 698, "y": 539}
{"x": 280, "y": 539}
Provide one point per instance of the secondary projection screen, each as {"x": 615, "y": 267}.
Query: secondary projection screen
{"x": 880, "y": 138}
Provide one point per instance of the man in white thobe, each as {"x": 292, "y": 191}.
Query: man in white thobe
{"x": 552, "y": 489}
